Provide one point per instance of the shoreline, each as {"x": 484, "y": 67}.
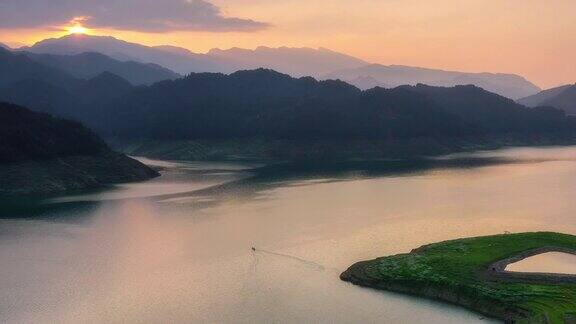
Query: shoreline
{"x": 470, "y": 273}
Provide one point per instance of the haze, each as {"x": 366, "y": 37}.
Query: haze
{"x": 533, "y": 38}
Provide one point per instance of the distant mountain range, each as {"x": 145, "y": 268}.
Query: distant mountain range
{"x": 16, "y": 67}
{"x": 40, "y": 154}
{"x": 508, "y": 85}
{"x": 292, "y": 113}
{"x": 263, "y": 98}
{"x": 52, "y": 90}
{"x": 181, "y": 62}
{"x": 89, "y": 65}
{"x": 563, "y": 97}
{"x": 297, "y": 62}
{"x": 319, "y": 63}
{"x": 267, "y": 105}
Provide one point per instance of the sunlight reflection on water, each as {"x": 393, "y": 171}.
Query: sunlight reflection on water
{"x": 186, "y": 256}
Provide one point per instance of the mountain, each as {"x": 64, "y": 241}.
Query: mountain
{"x": 43, "y": 97}
{"x": 493, "y": 113}
{"x": 320, "y": 63}
{"x": 566, "y": 101}
{"x": 47, "y": 89}
{"x": 366, "y": 82}
{"x": 83, "y": 101}
{"x": 40, "y": 154}
{"x": 174, "y": 49}
{"x": 266, "y": 105}
{"x": 563, "y": 97}
{"x": 4, "y": 46}
{"x": 508, "y": 85}
{"x": 89, "y": 65}
{"x": 293, "y": 61}
{"x": 105, "y": 85}
{"x": 542, "y": 96}
{"x": 181, "y": 62}
{"x": 16, "y": 67}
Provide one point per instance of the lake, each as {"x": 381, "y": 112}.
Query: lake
{"x": 178, "y": 248}
{"x": 552, "y": 262}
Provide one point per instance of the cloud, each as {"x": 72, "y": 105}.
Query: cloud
{"x": 136, "y": 15}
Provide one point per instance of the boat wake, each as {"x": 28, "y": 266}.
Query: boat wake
{"x": 309, "y": 263}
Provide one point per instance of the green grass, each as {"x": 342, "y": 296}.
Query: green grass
{"x": 455, "y": 271}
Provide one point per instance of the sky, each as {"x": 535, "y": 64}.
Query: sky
{"x": 533, "y": 38}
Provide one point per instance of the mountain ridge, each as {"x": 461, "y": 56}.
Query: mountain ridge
{"x": 562, "y": 97}
{"x": 509, "y": 85}
{"x": 320, "y": 63}
{"x": 42, "y": 88}
{"x": 265, "y": 104}
{"x": 90, "y": 64}
{"x": 124, "y": 51}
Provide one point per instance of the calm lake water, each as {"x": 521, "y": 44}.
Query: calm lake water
{"x": 178, "y": 248}
{"x": 553, "y": 262}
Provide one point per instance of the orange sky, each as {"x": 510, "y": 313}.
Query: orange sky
{"x": 534, "y": 38}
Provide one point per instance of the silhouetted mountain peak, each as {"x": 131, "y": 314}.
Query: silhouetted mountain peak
{"x": 319, "y": 63}
{"x": 461, "y": 87}
{"x": 109, "y": 78}
{"x": 559, "y": 97}
{"x": 565, "y": 100}
{"x": 15, "y": 66}
{"x": 182, "y": 61}
{"x": 90, "y": 38}
{"x": 175, "y": 49}
{"x": 107, "y": 85}
{"x": 260, "y": 73}
{"x": 296, "y": 61}
{"x": 509, "y": 85}
{"x": 73, "y": 44}
{"x": 87, "y": 65}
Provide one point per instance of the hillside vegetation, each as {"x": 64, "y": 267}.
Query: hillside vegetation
{"x": 266, "y": 105}
{"x": 458, "y": 272}
{"x": 41, "y": 154}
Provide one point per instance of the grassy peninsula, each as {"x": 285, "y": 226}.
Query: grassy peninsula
{"x": 463, "y": 272}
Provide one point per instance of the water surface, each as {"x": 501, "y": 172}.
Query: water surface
{"x": 553, "y": 262}
{"x": 178, "y": 248}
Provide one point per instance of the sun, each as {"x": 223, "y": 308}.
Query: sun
{"x": 77, "y": 29}
{"x": 76, "y": 26}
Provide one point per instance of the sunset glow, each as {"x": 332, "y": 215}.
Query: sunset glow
{"x": 78, "y": 29}
{"x": 258, "y": 161}
{"x": 471, "y": 36}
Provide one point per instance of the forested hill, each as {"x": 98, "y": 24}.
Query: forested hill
{"x": 26, "y": 135}
{"x": 41, "y": 154}
{"x": 266, "y": 104}
{"x": 563, "y": 97}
